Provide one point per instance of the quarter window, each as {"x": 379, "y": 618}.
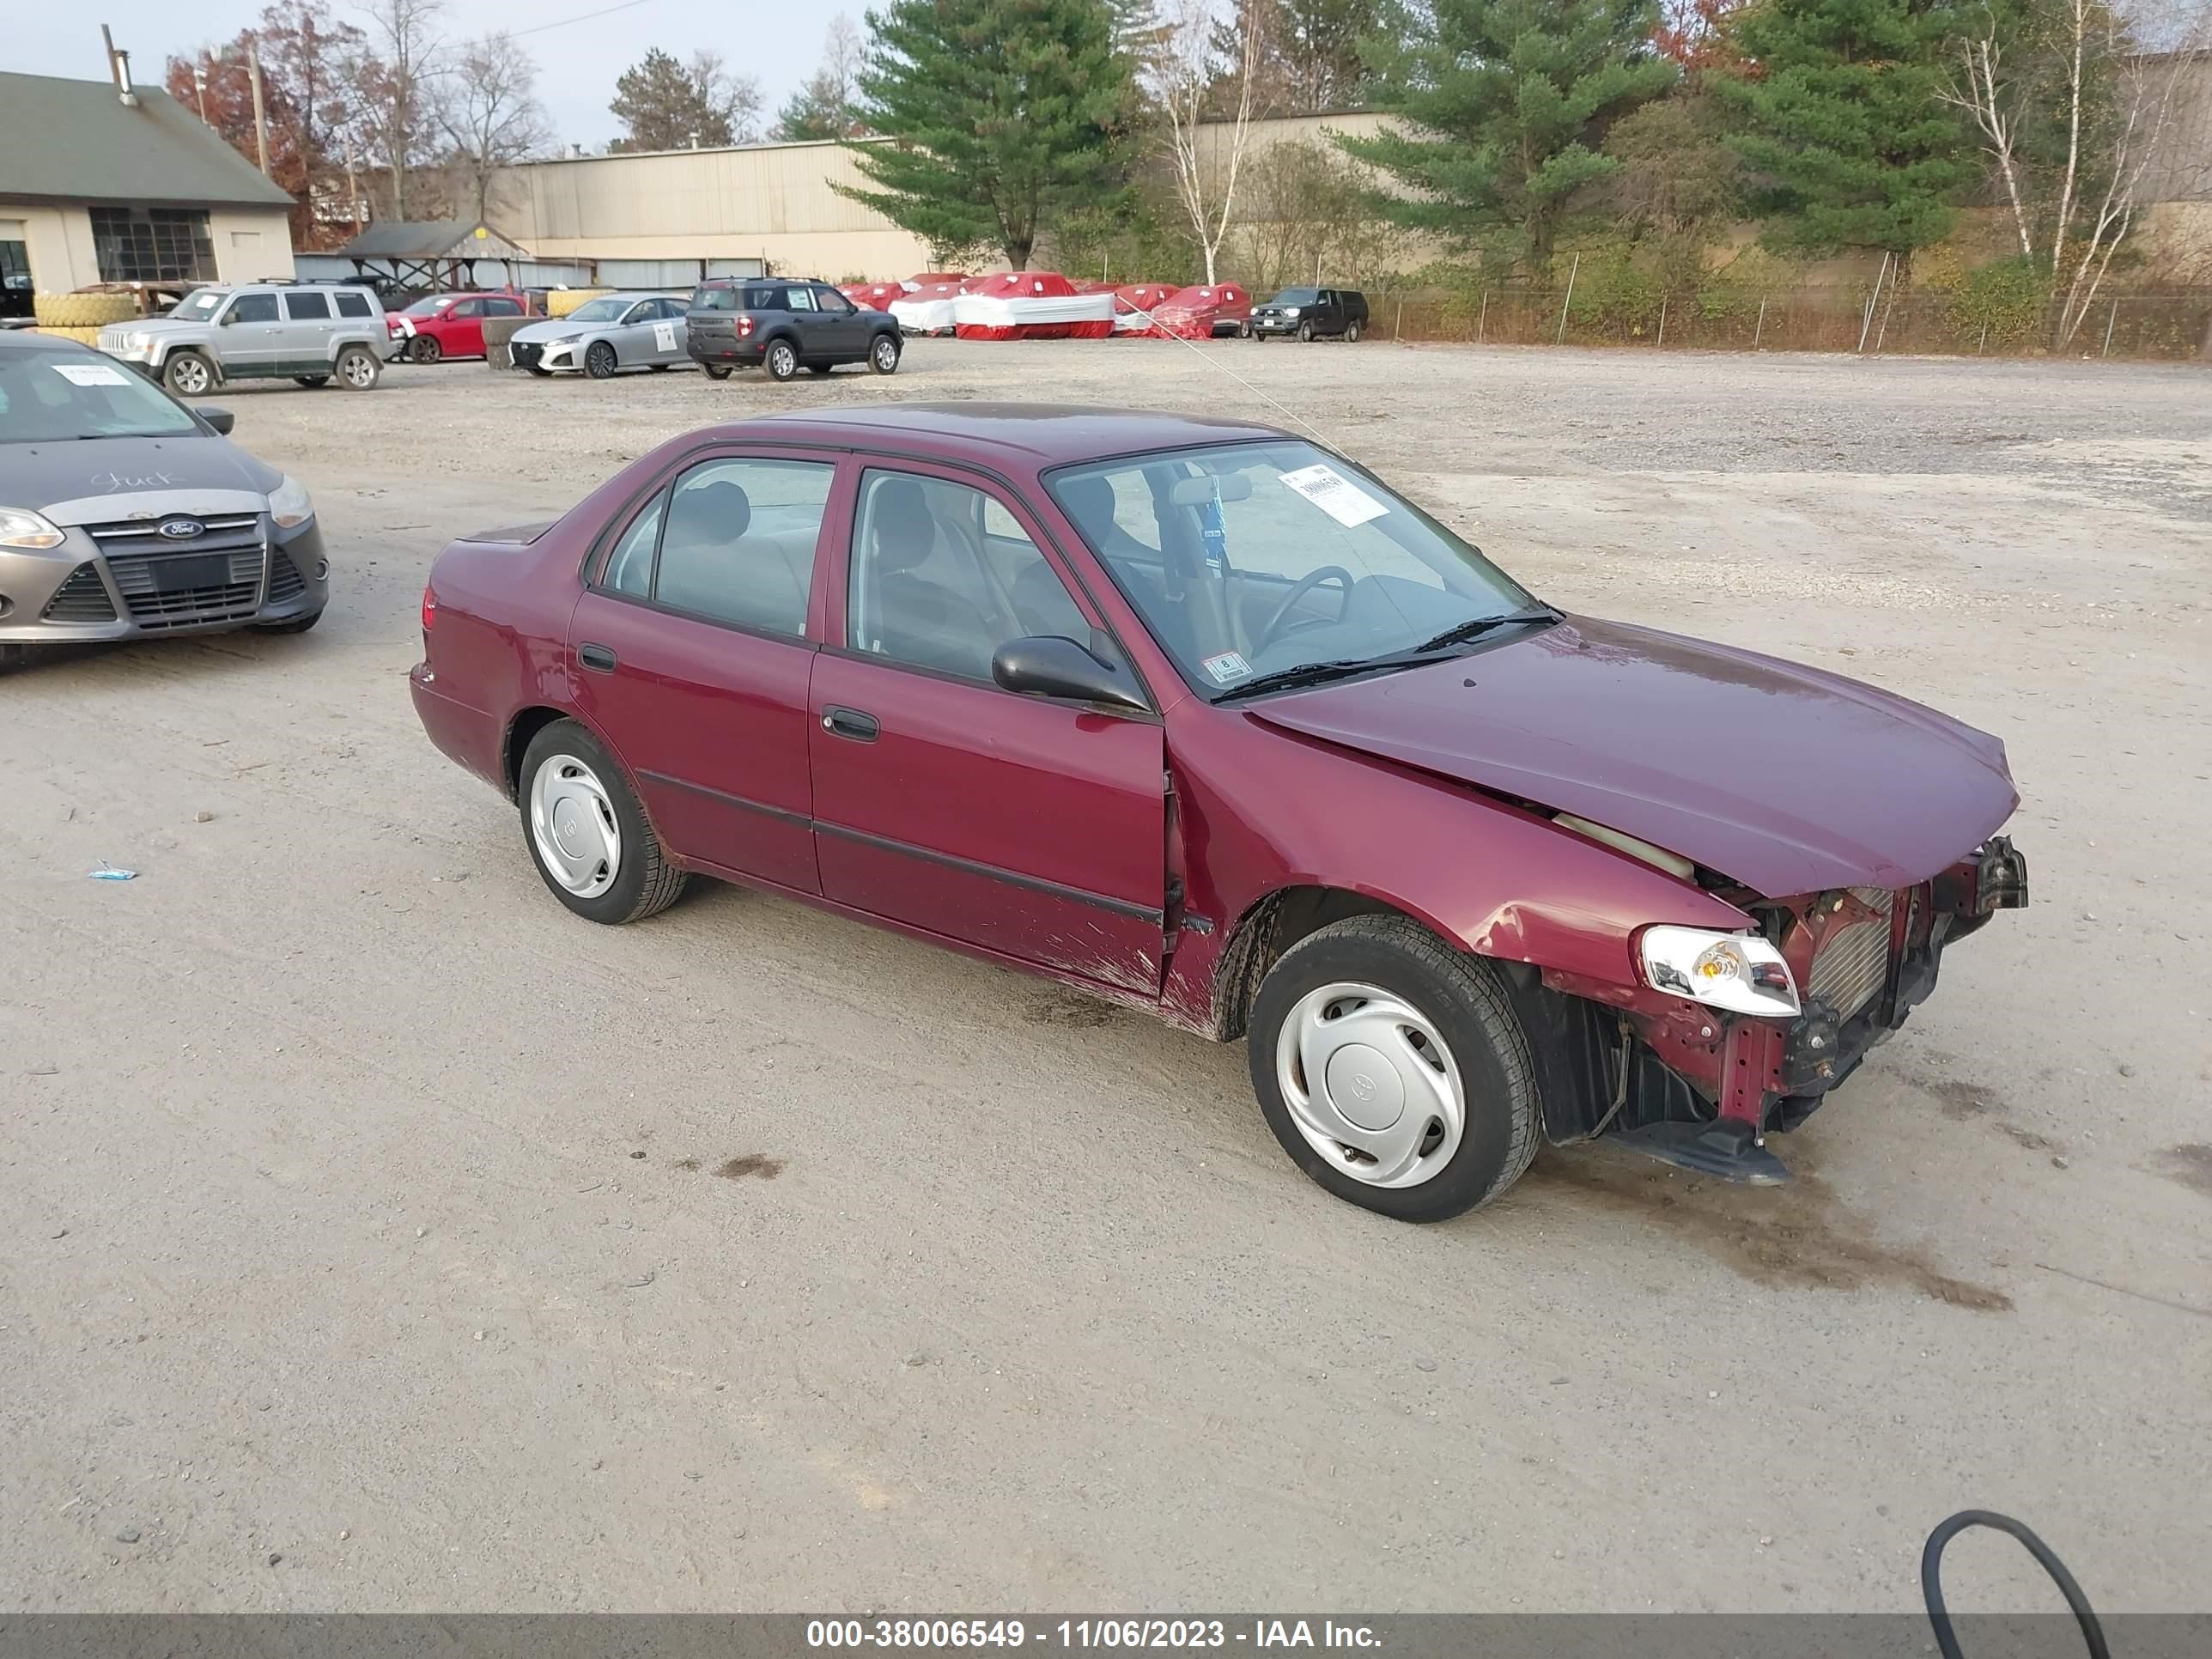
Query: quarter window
{"x": 942, "y": 575}
{"x": 353, "y": 304}
{"x": 735, "y": 543}
{"x": 797, "y": 299}
{"x": 307, "y": 308}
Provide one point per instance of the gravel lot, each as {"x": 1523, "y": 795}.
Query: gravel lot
{"x": 380, "y": 1237}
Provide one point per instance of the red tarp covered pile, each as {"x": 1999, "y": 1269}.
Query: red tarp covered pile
{"x": 1199, "y": 313}
{"x": 1133, "y": 302}
{"x": 1032, "y": 305}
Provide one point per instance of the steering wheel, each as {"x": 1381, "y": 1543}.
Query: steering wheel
{"x": 1299, "y": 589}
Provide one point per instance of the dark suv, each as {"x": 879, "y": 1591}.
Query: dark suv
{"x": 1308, "y": 311}
{"x": 785, "y": 324}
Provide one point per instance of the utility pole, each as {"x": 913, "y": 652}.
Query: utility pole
{"x": 353, "y": 182}
{"x": 260, "y": 116}
{"x": 199, "y": 86}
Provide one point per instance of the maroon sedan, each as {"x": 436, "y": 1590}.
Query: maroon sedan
{"x": 1198, "y": 716}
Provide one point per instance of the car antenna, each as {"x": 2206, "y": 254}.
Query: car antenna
{"x": 1209, "y": 358}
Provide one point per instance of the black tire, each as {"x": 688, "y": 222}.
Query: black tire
{"x": 1352, "y": 332}
{"x": 782, "y": 359}
{"x": 599, "y": 361}
{"x": 358, "y": 370}
{"x": 1457, "y": 993}
{"x": 425, "y": 349}
{"x": 647, "y": 882}
{"x": 883, "y": 353}
{"x": 189, "y": 374}
{"x": 1305, "y": 333}
{"x": 716, "y": 371}
{"x": 311, "y": 381}
{"x": 1243, "y": 330}
{"x": 290, "y": 624}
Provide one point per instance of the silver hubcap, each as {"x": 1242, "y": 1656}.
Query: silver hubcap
{"x": 359, "y": 371}
{"x": 192, "y": 375}
{"x": 574, "y": 825}
{"x": 1370, "y": 1084}
{"x": 886, "y": 354}
{"x": 781, "y": 361}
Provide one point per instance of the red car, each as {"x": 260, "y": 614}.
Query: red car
{"x": 1199, "y": 717}
{"x": 448, "y": 324}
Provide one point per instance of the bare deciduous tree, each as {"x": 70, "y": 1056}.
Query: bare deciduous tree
{"x": 1188, "y": 75}
{"x": 2074, "y": 114}
{"x": 393, "y": 79}
{"x": 490, "y": 111}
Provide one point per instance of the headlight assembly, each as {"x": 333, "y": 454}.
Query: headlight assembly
{"x": 289, "y": 504}
{"x": 1740, "y": 972}
{"x": 20, "y": 528}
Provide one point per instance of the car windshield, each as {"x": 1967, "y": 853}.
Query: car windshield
{"x": 1297, "y": 296}
{"x": 47, "y": 397}
{"x": 1247, "y": 560}
{"x": 201, "y": 303}
{"x": 429, "y": 305}
{"x": 607, "y": 309}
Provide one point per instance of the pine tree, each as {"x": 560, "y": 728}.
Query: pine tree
{"x": 666, "y": 105}
{"x": 1504, "y": 102}
{"x": 1841, "y": 115}
{"x": 1006, "y": 113}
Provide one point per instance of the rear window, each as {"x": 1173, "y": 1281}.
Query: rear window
{"x": 353, "y": 304}
{"x": 714, "y": 299}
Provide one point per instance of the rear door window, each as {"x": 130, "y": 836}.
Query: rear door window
{"x": 307, "y": 308}
{"x": 734, "y": 542}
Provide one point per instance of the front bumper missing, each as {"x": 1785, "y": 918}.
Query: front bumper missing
{"x": 1773, "y": 1073}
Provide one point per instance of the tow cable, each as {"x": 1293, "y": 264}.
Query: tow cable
{"x": 1931, "y": 1579}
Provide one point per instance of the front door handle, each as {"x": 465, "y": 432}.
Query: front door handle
{"x": 850, "y": 723}
{"x": 598, "y": 658}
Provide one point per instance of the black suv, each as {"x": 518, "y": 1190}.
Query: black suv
{"x": 1308, "y": 311}
{"x": 785, "y": 324}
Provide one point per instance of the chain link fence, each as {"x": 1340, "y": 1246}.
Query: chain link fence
{"x": 2171, "y": 325}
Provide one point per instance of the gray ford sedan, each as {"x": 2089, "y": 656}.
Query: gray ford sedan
{"x": 124, "y": 515}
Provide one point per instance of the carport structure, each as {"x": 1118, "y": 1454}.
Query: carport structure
{"x": 429, "y": 253}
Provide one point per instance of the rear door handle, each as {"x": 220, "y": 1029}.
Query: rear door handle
{"x": 850, "y": 723}
{"x": 598, "y": 658}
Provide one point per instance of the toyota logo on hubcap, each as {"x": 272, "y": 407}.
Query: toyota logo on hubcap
{"x": 181, "y": 530}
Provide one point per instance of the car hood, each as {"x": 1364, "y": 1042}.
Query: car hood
{"x": 92, "y": 480}
{"x": 552, "y": 329}
{"x": 1786, "y": 778}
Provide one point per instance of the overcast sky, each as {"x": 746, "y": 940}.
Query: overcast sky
{"x": 577, "y": 64}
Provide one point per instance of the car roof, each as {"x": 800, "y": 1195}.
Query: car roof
{"x": 30, "y": 340}
{"x": 1050, "y": 435}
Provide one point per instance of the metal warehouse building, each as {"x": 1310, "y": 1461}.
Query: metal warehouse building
{"x": 103, "y": 182}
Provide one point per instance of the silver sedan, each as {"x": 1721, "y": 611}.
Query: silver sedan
{"x": 603, "y": 336}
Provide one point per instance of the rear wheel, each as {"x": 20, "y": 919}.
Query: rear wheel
{"x": 1392, "y": 1069}
{"x": 782, "y": 360}
{"x": 716, "y": 371}
{"x": 425, "y": 349}
{"x": 358, "y": 369}
{"x": 1352, "y": 332}
{"x": 883, "y": 355}
{"x": 585, "y": 832}
{"x": 599, "y": 361}
{"x": 188, "y": 375}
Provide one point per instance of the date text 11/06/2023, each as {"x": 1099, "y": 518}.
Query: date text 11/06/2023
{"x": 1087, "y": 1633}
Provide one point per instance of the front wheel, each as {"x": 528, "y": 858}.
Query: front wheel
{"x": 1393, "y": 1070}
{"x": 358, "y": 367}
{"x": 586, "y": 832}
{"x": 782, "y": 360}
{"x": 599, "y": 361}
{"x": 883, "y": 355}
{"x": 1305, "y": 333}
{"x": 188, "y": 375}
{"x": 425, "y": 349}
{"x": 716, "y": 371}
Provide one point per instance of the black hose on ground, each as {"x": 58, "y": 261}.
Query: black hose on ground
{"x": 1931, "y": 1579}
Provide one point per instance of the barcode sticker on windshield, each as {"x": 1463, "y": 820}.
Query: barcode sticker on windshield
{"x": 664, "y": 337}
{"x": 1229, "y": 666}
{"x": 91, "y": 374}
{"x": 1335, "y": 494}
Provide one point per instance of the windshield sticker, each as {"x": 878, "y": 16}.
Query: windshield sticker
{"x": 1335, "y": 494}
{"x": 1227, "y": 668}
{"x": 664, "y": 337}
{"x": 91, "y": 374}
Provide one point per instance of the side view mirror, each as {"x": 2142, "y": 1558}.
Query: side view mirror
{"x": 220, "y": 419}
{"x": 1049, "y": 666}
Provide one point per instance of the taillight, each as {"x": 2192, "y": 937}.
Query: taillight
{"x": 744, "y": 328}
{"x": 429, "y": 607}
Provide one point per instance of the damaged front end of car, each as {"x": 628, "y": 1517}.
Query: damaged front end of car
{"x": 1732, "y": 1036}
